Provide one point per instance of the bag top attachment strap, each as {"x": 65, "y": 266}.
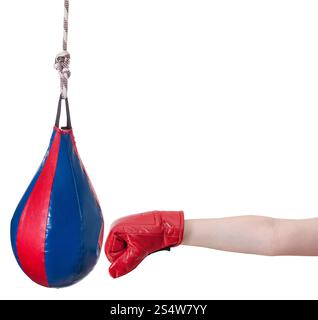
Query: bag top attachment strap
{"x": 68, "y": 114}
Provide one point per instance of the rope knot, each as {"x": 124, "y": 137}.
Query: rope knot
{"x": 62, "y": 65}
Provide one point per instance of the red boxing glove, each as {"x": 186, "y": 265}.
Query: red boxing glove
{"x": 134, "y": 237}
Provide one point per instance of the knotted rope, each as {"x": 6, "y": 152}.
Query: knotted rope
{"x": 62, "y": 60}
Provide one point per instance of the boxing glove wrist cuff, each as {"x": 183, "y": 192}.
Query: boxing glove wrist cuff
{"x": 173, "y": 226}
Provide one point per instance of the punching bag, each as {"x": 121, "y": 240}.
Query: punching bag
{"x": 57, "y": 228}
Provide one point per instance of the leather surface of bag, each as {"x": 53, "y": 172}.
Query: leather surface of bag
{"x": 57, "y": 228}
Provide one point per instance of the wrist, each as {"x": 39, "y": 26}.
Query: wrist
{"x": 186, "y": 233}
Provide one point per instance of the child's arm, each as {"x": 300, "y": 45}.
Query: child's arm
{"x": 254, "y": 235}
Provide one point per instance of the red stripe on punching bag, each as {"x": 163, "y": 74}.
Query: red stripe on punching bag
{"x": 32, "y": 226}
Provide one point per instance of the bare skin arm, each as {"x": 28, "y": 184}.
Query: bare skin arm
{"x": 254, "y": 235}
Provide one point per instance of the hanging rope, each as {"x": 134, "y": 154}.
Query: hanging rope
{"x": 62, "y": 60}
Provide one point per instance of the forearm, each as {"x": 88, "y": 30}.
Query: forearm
{"x": 254, "y": 235}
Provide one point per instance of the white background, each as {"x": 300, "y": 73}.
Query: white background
{"x": 205, "y": 106}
